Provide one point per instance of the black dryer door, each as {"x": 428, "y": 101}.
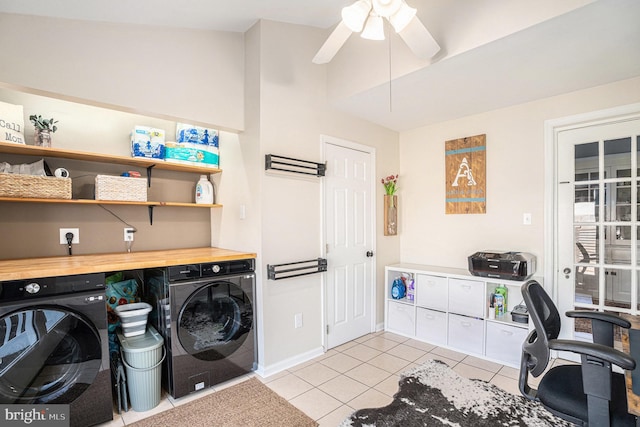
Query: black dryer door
{"x": 215, "y": 320}
{"x": 48, "y": 354}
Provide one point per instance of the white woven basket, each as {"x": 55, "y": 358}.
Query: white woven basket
{"x": 122, "y": 188}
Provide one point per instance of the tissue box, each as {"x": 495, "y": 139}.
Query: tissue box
{"x": 147, "y": 142}
{"x": 188, "y": 153}
{"x": 196, "y": 135}
{"x": 122, "y": 188}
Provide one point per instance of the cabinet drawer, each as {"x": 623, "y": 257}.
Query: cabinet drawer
{"x": 431, "y": 292}
{"x": 466, "y": 297}
{"x": 402, "y": 318}
{"x": 466, "y": 333}
{"x": 504, "y": 342}
{"x": 431, "y": 326}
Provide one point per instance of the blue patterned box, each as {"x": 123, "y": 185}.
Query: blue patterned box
{"x": 196, "y": 135}
{"x": 147, "y": 142}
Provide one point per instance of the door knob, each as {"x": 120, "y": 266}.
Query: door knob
{"x": 566, "y": 272}
{"x": 369, "y": 254}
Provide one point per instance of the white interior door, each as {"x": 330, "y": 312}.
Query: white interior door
{"x": 349, "y": 237}
{"x": 598, "y": 221}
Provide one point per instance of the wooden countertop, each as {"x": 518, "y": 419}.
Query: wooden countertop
{"x": 29, "y": 268}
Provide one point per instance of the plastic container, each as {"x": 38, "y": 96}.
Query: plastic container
{"x": 409, "y": 283}
{"x": 204, "y": 191}
{"x": 398, "y": 289}
{"x": 133, "y": 318}
{"x": 142, "y": 357}
{"x": 501, "y": 294}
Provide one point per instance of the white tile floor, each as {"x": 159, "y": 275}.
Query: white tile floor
{"x": 360, "y": 374}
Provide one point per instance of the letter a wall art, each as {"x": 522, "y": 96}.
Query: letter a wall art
{"x": 466, "y": 175}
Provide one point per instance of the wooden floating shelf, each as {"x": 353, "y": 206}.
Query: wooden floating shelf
{"x": 142, "y": 162}
{"x": 107, "y": 202}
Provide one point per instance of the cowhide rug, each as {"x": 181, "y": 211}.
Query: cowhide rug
{"x": 434, "y": 395}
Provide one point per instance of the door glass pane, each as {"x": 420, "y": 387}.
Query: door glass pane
{"x": 618, "y": 288}
{"x": 586, "y": 203}
{"x": 586, "y": 248}
{"x": 622, "y": 235}
{"x": 638, "y": 289}
{"x": 587, "y": 153}
{"x": 586, "y": 288}
{"x": 618, "y": 151}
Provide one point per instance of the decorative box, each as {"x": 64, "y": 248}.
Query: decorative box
{"x": 32, "y": 186}
{"x": 192, "y": 154}
{"x": 121, "y": 188}
{"x": 147, "y": 142}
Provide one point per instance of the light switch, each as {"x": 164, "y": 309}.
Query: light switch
{"x": 526, "y": 219}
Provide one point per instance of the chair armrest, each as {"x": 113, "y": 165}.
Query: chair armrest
{"x": 598, "y": 351}
{"x": 598, "y": 315}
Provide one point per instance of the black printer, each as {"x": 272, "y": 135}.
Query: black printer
{"x": 502, "y": 265}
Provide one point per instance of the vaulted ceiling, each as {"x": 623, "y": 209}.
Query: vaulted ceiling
{"x": 520, "y": 54}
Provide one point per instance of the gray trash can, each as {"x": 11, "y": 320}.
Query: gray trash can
{"x": 142, "y": 356}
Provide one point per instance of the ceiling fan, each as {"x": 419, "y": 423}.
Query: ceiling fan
{"x": 366, "y": 16}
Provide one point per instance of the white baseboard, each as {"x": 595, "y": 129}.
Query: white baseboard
{"x": 267, "y": 371}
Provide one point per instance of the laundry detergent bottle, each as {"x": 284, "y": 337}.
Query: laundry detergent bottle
{"x": 204, "y": 191}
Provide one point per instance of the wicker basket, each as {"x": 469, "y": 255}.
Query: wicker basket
{"x": 121, "y": 188}
{"x": 37, "y": 187}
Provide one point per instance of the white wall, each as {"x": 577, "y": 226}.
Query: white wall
{"x": 515, "y": 178}
{"x": 201, "y": 77}
{"x": 293, "y": 114}
{"x": 32, "y": 230}
{"x": 189, "y": 74}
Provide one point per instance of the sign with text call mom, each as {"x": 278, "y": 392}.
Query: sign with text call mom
{"x": 466, "y": 175}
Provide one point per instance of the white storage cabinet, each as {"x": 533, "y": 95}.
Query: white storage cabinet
{"x": 450, "y": 309}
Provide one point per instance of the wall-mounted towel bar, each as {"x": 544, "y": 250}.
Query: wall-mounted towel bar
{"x": 302, "y": 268}
{"x": 287, "y": 164}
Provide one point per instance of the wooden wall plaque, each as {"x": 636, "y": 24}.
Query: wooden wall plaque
{"x": 466, "y": 175}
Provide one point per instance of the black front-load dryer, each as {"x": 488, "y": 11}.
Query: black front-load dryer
{"x": 206, "y": 314}
{"x": 54, "y": 346}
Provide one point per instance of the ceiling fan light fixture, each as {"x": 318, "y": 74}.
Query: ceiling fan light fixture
{"x": 402, "y": 17}
{"x": 354, "y": 16}
{"x": 374, "y": 28}
{"x": 386, "y": 8}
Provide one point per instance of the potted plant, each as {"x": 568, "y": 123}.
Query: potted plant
{"x": 44, "y": 129}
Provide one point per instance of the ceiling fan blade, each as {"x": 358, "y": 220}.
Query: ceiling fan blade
{"x": 419, "y": 39}
{"x": 333, "y": 44}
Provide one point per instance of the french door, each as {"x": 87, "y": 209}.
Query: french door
{"x": 598, "y": 220}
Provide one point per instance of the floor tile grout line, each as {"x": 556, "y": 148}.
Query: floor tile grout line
{"x": 386, "y": 342}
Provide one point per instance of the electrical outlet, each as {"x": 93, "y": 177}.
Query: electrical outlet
{"x": 297, "y": 320}
{"x": 128, "y": 234}
{"x": 63, "y": 235}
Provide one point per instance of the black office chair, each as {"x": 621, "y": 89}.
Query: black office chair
{"x": 588, "y": 394}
